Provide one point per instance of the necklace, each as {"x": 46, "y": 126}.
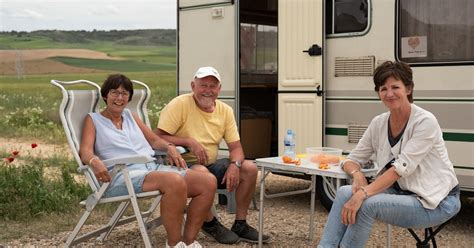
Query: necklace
{"x": 118, "y": 124}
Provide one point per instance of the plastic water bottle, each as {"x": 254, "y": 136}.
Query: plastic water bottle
{"x": 290, "y": 144}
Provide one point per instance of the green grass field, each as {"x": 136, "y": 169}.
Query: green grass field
{"x": 34, "y": 203}
{"x": 29, "y": 105}
{"x": 116, "y": 65}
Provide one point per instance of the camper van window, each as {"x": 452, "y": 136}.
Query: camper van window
{"x": 435, "y": 31}
{"x": 258, "y": 48}
{"x": 349, "y": 17}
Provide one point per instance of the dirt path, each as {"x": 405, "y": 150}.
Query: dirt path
{"x": 286, "y": 221}
{"x": 36, "y": 61}
{"x": 41, "y": 149}
{"x": 35, "y": 54}
{"x": 286, "y": 218}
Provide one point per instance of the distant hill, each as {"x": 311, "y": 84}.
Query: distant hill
{"x": 147, "y": 37}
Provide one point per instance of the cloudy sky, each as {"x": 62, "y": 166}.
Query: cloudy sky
{"x": 30, "y": 15}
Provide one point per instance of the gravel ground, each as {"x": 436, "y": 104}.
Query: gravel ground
{"x": 287, "y": 221}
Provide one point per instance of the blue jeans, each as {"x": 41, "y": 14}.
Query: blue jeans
{"x": 392, "y": 207}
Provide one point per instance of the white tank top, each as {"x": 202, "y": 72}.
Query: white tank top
{"x": 111, "y": 142}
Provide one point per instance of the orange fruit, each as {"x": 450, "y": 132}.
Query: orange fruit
{"x": 286, "y": 159}
{"x": 323, "y": 166}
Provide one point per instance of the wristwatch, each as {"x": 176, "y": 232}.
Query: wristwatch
{"x": 237, "y": 163}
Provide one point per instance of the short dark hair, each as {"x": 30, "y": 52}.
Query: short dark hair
{"x": 113, "y": 82}
{"x": 398, "y": 70}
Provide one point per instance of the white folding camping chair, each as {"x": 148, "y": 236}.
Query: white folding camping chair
{"x": 139, "y": 102}
{"x": 75, "y": 105}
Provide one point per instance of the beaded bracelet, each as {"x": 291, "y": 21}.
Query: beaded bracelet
{"x": 90, "y": 160}
{"x": 365, "y": 192}
{"x": 353, "y": 172}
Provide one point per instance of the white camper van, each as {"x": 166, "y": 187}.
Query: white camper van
{"x": 307, "y": 65}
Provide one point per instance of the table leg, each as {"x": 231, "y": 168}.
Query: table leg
{"x": 311, "y": 214}
{"x": 260, "y": 212}
{"x": 389, "y": 236}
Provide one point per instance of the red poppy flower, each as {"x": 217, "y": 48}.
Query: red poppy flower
{"x": 34, "y": 145}
{"x": 14, "y": 153}
{"x": 9, "y": 159}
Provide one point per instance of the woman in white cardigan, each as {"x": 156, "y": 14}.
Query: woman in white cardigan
{"x": 416, "y": 188}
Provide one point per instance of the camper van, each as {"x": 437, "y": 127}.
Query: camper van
{"x": 307, "y": 65}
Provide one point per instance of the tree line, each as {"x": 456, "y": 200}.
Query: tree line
{"x": 140, "y": 37}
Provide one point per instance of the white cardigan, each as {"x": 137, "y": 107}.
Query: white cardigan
{"x": 422, "y": 160}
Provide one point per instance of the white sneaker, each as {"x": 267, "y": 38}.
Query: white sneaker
{"x": 195, "y": 244}
{"x": 180, "y": 244}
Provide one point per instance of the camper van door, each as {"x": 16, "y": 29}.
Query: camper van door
{"x": 300, "y": 63}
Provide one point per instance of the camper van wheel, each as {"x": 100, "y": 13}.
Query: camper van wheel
{"x": 326, "y": 190}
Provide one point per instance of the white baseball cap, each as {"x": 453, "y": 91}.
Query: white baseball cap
{"x": 206, "y": 72}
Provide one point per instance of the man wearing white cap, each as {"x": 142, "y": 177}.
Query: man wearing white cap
{"x": 199, "y": 121}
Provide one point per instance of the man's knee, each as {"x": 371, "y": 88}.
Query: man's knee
{"x": 202, "y": 181}
{"x": 198, "y": 167}
{"x": 249, "y": 168}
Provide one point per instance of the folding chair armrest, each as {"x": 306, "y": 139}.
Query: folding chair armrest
{"x": 181, "y": 150}
{"x": 82, "y": 168}
{"x": 137, "y": 159}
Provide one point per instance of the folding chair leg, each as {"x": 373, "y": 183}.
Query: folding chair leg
{"x": 77, "y": 228}
{"x": 433, "y": 240}
{"x": 114, "y": 220}
{"x": 152, "y": 208}
{"x": 429, "y": 235}
{"x": 231, "y": 202}
{"x": 156, "y": 222}
{"x": 90, "y": 205}
{"x": 254, "y": 202}
{"x": 136, "y": 209}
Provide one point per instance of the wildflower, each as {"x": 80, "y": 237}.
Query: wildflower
{"x": 34, "y": 145}
{"x": 15, "y": 153}
{"x": 9, "y": 159}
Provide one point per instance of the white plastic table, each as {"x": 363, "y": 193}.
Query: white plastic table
{"x": 275, "y": 164}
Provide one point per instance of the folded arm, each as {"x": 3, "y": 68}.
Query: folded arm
{"x": 195, "y": 147}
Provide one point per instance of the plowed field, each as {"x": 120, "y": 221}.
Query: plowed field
{"x": 36, "y": 61}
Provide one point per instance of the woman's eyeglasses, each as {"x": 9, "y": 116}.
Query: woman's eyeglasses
{"x": 116, "y": 93}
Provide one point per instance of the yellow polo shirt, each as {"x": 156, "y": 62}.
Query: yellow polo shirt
{"x": 183, "y": 118}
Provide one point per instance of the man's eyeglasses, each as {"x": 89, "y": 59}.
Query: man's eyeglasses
{"x": 116, "y": 93}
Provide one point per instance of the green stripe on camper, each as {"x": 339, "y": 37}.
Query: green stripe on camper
{"x": 466, "y": 137}
{"x": 463, "y": 137}
{"x": 336, "y": 131}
